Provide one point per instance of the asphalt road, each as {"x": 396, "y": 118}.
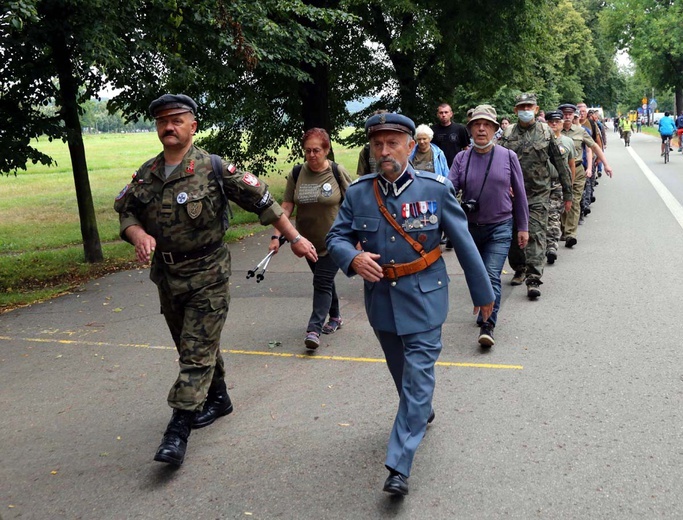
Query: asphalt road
{"x": 574, "y": 414}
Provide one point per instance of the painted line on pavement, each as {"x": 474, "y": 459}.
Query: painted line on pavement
{"x": 674, "y": 206}
{"x": 257, "y": 353}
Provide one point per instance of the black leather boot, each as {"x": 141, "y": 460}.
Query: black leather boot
{"x": 174, "y": 444}
{"x": 217, "y": 405}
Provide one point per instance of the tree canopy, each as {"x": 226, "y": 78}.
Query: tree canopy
{"x": 263, "y": 71}
{"x": 652, "y": 33}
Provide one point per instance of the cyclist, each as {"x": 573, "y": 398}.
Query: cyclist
{"x": 667, "y": 127}
{"x": 679, "y": 131}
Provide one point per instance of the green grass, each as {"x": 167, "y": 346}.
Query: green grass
{"x": 41, "y": 252}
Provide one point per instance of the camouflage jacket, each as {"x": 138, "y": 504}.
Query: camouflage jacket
{"x": 184, "y": 214}
{"x": 535, "y": 145}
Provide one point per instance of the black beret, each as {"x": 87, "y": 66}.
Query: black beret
{"x": 554, "y": 115}
{"x": 567, "y": 106}
{"x": 181, "y": 102}
{"x": 389, "y": 121}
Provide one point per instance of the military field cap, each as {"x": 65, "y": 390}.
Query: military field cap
{"x": 526, "y": 98}
{"x": 484, "y": 112}
{"x": 180, "y": 102}
{"x": 389, "y": 121}
{"x": 567, "y": 106}
{"x": 554, "y": 115}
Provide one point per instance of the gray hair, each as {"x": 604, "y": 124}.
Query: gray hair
{"x": 424, "y": 129}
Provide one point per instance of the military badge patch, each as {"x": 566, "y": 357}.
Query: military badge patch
{"x": 194, "y": 209}
{"x": 327, "y": 190}
{"x": 251, "y": 180}
{"x": 181, "y": 198}
{"x": 123, "y": 192}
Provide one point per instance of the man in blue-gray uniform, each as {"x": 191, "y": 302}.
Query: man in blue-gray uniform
{"x": 398, "y": 215}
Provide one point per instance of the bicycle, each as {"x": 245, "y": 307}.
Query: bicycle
{"x": 667, "y": 145}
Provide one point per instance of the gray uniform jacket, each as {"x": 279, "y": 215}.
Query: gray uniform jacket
{"x": 416, "y": 302}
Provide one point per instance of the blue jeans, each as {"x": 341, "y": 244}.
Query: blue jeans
{"x": 493, "y": 242}
{"x": 325, "y": 299}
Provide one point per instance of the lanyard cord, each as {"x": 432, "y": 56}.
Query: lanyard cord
{"x": 486, "y": 175}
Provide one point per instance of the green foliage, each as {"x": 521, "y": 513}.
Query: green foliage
{"x": 652, "y": 33}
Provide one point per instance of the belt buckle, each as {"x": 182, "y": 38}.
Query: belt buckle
{"x": 167, "y": 256}
{"x": 390, "y": 272}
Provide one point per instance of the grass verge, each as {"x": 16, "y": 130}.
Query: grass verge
{"x": 32, "y": 277}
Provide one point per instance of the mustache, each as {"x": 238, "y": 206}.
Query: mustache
{"x": 385, "y": 158}
{"x": 169, "y": 132}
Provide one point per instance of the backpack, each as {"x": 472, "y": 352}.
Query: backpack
{"x": 335, "y": 171}
{"x": 217, "y": 167}
{"x": 679, "y": 122}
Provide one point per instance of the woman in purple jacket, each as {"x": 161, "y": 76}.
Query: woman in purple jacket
{"x": 493, "y": 195}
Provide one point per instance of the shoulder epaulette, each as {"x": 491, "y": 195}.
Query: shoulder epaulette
{"x": 431, "y": 175}
{"x": 365, "y": 177}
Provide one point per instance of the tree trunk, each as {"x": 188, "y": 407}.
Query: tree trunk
{"x": 315, "y": 106}
{"x": 679, "y": 100}
{"x": 68, "y": 92}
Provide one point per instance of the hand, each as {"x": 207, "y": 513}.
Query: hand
{"x": 567, "y": 206}
{"x": 522, "y": 239}
{"x": 486, "y": 311}
{"x": 589, "y": 174}
{"x": 144, "y": 244}
{"x": 303, "y": 247}
{"x": 365, "y": 265}
{"x": 608, "y": 170}
{"x": 274, "y": 245}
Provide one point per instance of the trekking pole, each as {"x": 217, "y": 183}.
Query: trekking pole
{"x": 263, "y": 264}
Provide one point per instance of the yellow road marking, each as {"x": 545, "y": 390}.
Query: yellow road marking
{"x": 257, "y": 353}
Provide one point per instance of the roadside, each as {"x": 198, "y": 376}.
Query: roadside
{"x": 37, "y": 276}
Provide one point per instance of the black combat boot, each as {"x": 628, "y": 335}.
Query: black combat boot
{"x": 174, "y": 444}
{"x": 217, "y": 405}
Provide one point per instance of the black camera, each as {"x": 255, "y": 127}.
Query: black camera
{"x": 470, "y": 206}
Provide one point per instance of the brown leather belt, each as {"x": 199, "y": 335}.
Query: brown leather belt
{"x": 170, "y": 258}
{"x": 395, "y": 271}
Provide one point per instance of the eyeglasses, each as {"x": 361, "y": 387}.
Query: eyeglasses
{"x": 312, "y": 151}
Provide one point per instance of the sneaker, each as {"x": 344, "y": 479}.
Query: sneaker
{"x": 486, "y": 335}
{"x": 551, "y": 256}
{"x": 519, "y": 278}
{"x": 312, "y": 340}
{"x": 449, "y": 245}
{"x": 571, "y": 242}
{"x": 532, "y": 290}
{"x": 331, "y": 326}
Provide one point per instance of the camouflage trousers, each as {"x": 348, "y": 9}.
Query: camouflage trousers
{"x": 196, "y": 320}
{"x": 570, "y": 219}
{"x": 554, "y": 217}
{"x": 532, "y": 258}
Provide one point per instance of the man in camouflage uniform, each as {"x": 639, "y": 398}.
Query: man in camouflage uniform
{"x": 581, "y": 139}
{"x": 173, "y": 208}
{"x": 554, "y": 120}
{"x": 535, "y": 145}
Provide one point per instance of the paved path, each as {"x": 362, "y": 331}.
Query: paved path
{"x": 575, "y": 413}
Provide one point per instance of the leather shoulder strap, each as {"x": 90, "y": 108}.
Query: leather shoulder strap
{"x": 385, "y": 212}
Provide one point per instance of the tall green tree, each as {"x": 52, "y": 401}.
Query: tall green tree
{"x": 652, "y": 33}
{"x": 61, "y": 53}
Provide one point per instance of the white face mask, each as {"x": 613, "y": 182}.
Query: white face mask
{"x": 482, "y": 146}
{"x": 525, "y": 116}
